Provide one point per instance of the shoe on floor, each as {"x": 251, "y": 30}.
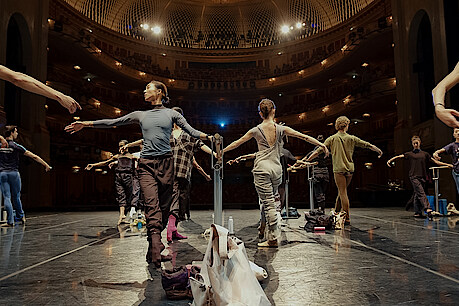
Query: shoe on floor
{"x": 7, "y": 225}
{"x": 268, "y": 244}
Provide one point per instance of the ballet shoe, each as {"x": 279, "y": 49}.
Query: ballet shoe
{"x": 178, "y": 236}
{"x": 268, "y": 244}
{"x": 7, "y": 225}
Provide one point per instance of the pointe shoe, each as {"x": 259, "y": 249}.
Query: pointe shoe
{"x": 178, "y": 236}
{"x": 268, "y": 244}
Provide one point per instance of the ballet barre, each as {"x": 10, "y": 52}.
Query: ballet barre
{"x": 217, "y": 165}
{"x": 436, "y": 178}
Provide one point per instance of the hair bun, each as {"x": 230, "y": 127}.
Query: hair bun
{"x": 165, "y": 100}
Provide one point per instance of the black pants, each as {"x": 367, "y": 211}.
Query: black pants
{"x": 419, "y": 196}
{"x": 181, "y": 198}
{"x": 137, "y": 195}
{"x": 320, "y": 187}
{"x": 123, "y": 186}
{"x": 156, "y": 178}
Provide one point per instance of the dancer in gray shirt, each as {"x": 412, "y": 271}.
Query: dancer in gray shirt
{"x": 156, "y": 165}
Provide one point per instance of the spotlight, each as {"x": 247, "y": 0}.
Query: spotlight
{"x": 285, "y": 29}
{"x": 299, "y": 25}
{"x": 156, "y": 29}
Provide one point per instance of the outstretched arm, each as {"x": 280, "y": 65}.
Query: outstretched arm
{"x": 38, "y": 159}
{"x": 242, "y": 158}
{"x": 447, "y": 116}
{"x": 291, "y": 132}
{"x": 376, "y": 149}
{"x": 131, "y": 144}
{"x": 101, "y": 164}
{"x": 130, "y": 118}
{"x": 30, "y": 84}
{"x": 437, "y": 153}
{"x": 199, "y": 168}
{"x": 441, "y": 163}
{"x": 238, "y": 142}
{"x": 389, "y": 162}
{"x": 208, "y": 150}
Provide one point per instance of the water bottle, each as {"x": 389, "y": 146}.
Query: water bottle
{"x": 230, "y": 225}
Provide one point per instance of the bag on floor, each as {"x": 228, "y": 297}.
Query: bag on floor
{"x": 175, "y": 283}
{"x": 292, "y": 213}
{"x": 226, "y": 277}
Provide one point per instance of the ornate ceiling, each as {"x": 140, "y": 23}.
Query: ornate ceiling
{"x": 216, "y": 23}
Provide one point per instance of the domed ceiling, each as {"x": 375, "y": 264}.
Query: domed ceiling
{"x": 224, "y": 24}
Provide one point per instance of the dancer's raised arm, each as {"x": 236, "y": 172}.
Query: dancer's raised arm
{"x": 30, "y": 84}
{"x": 446, "y": 115}
{"x": 291, "y": 132}
{"x": 238, "y": 142}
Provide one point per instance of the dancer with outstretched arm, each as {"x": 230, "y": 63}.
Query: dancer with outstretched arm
{"x": 156, "y": 165}
{"x": 267, "y": 169}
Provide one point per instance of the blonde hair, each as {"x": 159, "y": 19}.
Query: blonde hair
{"x": 415, "y": 137}
{"x": 341, "y": 122}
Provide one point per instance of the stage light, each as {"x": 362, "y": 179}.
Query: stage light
{"x": 156, "y": 29}
{"x": 299, "y": 25}
{"x": 285, "y": 29}
{"x": 222, "y": 124}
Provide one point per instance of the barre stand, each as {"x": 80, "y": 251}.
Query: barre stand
{"x": 217, "y": 165}
{"x": 436, "y": 178}
{"x": 310, "y": 168}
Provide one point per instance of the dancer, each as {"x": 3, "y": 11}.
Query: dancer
{"x": 448, "y": 116}
{"x": 342, "y": 147}
{"x": 453, "y": 150}
{"x": 10, "y": 178}
{"x": 321, "y": 178}
{"x": 124, "y": 175}
{"x": 30, "y": 84}
{"x": 183, "y": 149}
{"x": 418, "y": 164}
{"x": 156, "y": 168}
{"x": 267, "y": 170}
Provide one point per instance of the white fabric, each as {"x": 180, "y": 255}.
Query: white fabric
{"x": 226, "y": 275}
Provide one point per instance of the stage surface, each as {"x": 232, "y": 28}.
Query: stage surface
{"x": 386, "y": 257}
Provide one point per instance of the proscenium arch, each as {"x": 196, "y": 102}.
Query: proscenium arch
{"x": 420, "y": 55}
{"x": 18, "y": 58}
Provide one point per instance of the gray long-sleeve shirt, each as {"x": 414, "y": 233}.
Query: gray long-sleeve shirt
{"x": 156, "y": 125}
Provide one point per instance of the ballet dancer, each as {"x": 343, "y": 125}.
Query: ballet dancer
{"x": 10, "y": 179}
{"x": 267, "y": 169}
{"x": 183, "y": 149}
{"x": 446, "y": 115}
{"x": 453, "y": 150}
{"x": 30, "y": 84}
{"x": 342, "y": 147}
{"x": 156, "y": 165}
{"x": 418, "y": 160}
{"x": 124, "y": 176}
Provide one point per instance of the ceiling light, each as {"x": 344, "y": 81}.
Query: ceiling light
{"x": 299, "y": 25}
{"x": 366, "y": 115}
{"x": 76, "y": 67}
{"x": 145, "y": 26}
{"x": 285, "y": 29}
{"x": 156, "y": 29}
